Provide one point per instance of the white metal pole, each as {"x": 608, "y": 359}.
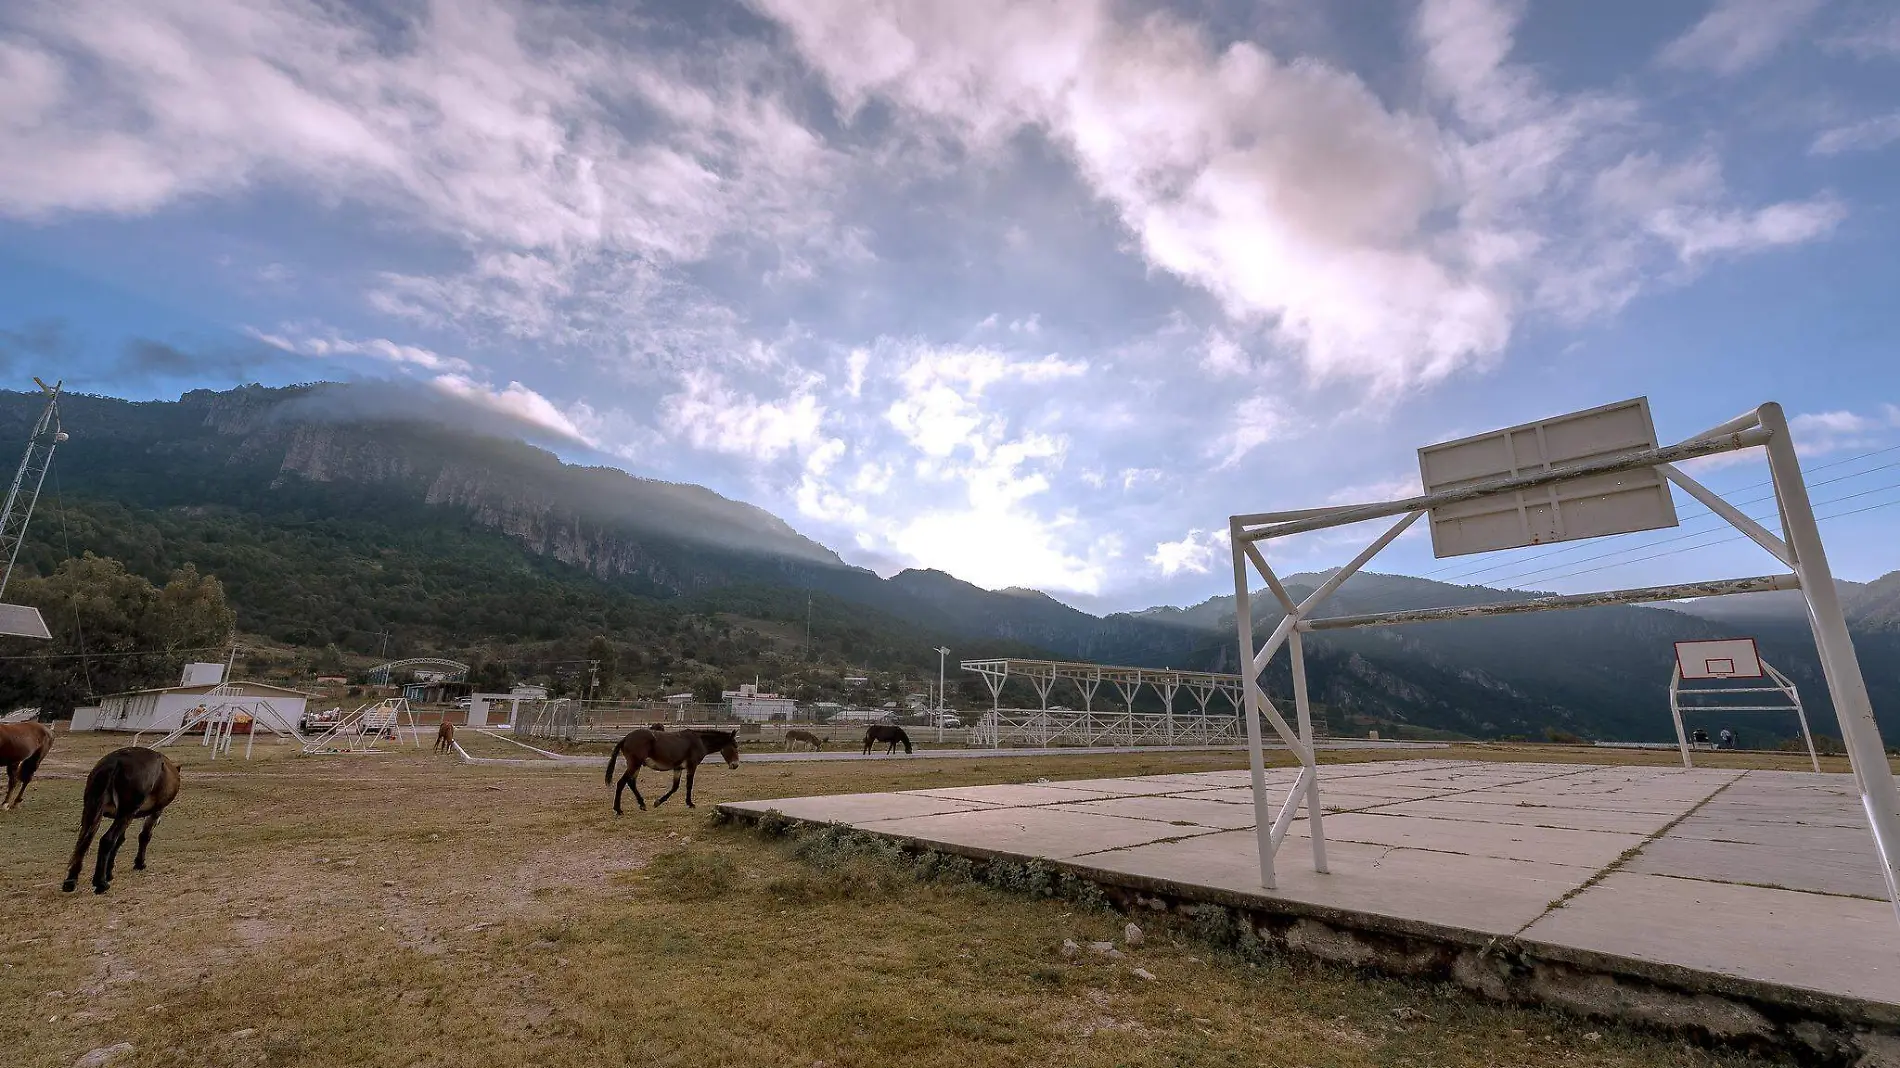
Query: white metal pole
{"x": 1256, "y": 760}
{"x": 1853, "y": 706}
{"x": 1297, "y": 650}
{"x": 942, "y": 651}
{"x": 1675, "y": 713}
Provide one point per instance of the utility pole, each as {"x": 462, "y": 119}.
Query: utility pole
{"x": 942, "y": 651}
{"x": 593, "y": 678}
{"x": 808, "y": 625}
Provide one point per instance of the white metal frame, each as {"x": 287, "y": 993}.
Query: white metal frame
{"x": 1088, "y": 726}
{"x": 1799, "y": 547}
{"x": 1783, "y": 685}
{"x": 361, "y": 730}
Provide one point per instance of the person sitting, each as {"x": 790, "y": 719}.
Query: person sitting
{"x": 1728, "y": 739}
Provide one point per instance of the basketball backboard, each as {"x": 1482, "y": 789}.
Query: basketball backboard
{"x": 1724, "y": 658}
{"x": 1616, "y": 502}
{"x": 22, "y": 621}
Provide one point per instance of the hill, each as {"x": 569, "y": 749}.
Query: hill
{"x": 340, "y": 515}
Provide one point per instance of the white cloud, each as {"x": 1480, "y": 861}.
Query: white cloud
{"x": 709, "y": 414}
{"x": 1866, "y": 135}
{"x": 513, "y": 400}
{"x": 1256, "y": 421}
{"x": 1877, "y": 39}
{"x": 289, "y": 340}
{"x": 1382, "y": 246}
{"x": 1737, "y": 34}
{"x": 1820, "y": 433}
{"x": 1197, "y": 552}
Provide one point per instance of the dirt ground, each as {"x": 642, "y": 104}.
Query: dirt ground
{"x": 407, "y": 909}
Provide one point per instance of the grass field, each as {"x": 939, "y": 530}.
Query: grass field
{"x": 404, "y": 909}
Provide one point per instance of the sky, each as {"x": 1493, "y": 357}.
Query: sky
{"x": 1035, "y": 293}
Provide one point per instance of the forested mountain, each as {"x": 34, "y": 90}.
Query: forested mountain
{"x": 338, "y": 516}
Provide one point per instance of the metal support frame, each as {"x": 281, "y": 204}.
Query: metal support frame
{"x": 1799, "y": 547}
{"x": 24, "y": 493}
{"x": 359, "y": 731}
{"x": 1783, "y": 685}
{"x": 1045, "y": 726}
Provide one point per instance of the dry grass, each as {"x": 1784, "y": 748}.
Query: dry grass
{"x": 404, "y": 909}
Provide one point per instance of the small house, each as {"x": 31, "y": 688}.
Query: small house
{"x": 168, "y": 707}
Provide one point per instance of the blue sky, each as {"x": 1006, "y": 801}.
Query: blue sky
{"x": 1035, "y": 293}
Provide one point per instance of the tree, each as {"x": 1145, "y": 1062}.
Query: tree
{"x": 112, "y": 631}
{"x": 709, "y": 689}
{"x": 490, "y": 676}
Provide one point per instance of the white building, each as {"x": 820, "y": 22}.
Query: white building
{"x": 861, "y": 715}
{"x": 748, "y": 704}
{"x": 167, "y": 708}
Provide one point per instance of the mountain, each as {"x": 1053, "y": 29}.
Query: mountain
{"x": 352, "y": 515}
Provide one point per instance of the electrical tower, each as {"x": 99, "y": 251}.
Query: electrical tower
{"x": 21, "y": 620}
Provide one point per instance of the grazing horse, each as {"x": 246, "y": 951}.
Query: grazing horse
{"x": 804, "y": 736}
{"x": 445, "y": 737}
{"x": 22, "y": 747}
{"x": 125, "y": 784}
{"x": 886, "y": 732}
{"x": 668, "y": 751}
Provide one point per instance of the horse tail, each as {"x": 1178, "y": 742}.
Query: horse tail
{"x": 612, "y": 758}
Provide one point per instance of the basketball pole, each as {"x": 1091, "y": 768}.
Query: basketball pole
{"x": 1845, "y": 684}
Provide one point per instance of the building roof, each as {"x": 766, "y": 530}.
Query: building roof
{"x": 205, "y": 688}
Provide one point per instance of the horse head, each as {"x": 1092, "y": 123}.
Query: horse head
{"x": 729, "y": 749}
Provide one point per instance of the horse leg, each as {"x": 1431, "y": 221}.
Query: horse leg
{"x": 109, "y": 843}
{"x": 620, "y": 790}
{"x": 633, "y": 777}
{"x": 88, "y": 826}
{"x": 145, "y": 839}
{"x": 669, "y": 793}
{"x": 6, "y": 799}
{"x": 690, "y": 770}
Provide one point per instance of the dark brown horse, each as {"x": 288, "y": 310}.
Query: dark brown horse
{"x": 668, "y": 751}
{"x": 125, "y": 784}
{"x": 445, "y": 737}
{"x": 804, "y": 736}
{"x": 22, "y": 747}
{"x": 885, "y": 732}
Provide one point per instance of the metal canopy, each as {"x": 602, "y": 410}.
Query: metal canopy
{"x": 1088, "y": 725}
{"x": 1798, "y": 547}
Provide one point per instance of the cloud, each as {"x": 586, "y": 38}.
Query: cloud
{"x": 1820, "y": 433}
{"x": 1195, "y": 553}
{"x": 514, "y": 401}
{"x": 383, "y": 349}
{"x": 1378, "y": 245}
{"x": 709, "y": 414}
{"x": 1874, "y": 39}
{"x": 1256, "y": 421}
{"x": 1736, "y": 35}
{"x": 1866, "y": 135}
{"x": 36, "y": 340}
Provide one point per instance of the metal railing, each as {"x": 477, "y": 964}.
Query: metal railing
{"x": 1032, "y": 727}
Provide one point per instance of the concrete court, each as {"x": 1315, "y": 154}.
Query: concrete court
{"x": 1766, "y": 877}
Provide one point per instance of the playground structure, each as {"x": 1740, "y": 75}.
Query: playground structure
{"x": 217, "y": 721}
{"x": 366, "y": 729}
{"x": 1051, "y": 726}
{"x": 1583, "y": 475}
{"x": 1722, "y": 660}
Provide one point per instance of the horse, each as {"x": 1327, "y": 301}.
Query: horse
{"x": 804, "y": 736}
{"x": 668, "y": 751}
{"x": 125, "y": 784}
{"x": 22, "y": 747}
{"x": 885, "y": 732}
{"x": 445, "y": 737}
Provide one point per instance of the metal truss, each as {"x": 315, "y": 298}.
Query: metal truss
{"x": 1103, "y": 727}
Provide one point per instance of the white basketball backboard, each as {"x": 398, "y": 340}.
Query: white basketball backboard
{"x": 1724, "y": 658}
{"x": 1615, "y": 503}
{"x": 22, "y": 621}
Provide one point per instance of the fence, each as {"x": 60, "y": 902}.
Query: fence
{"x": 1020, "y": 727}
{"x": 569, "y": 720}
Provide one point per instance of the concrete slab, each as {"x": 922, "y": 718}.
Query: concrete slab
{"x": 1834, "y": 945}
{"x": 857, "y": 809}
{"x": 1115, "y": 787}
{"x": 1173, "y": 810}
{"x": 1795, "y": 863}
{"x": 1486, "y": 895}
{"x": 1593, "y": 849}
{"x": 1056, "y": 833}
{"x": 1529, "y": 815}
{"x": 1011, "y": 794}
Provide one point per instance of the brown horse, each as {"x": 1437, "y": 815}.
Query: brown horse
{"x": 886, "y": 732}
{"x": 125, "y": 784}
{"x": 22, "y": 747}
{"x": 445, "y": 737}
{"x": 804, "y": 736}
{"x": 668, "y": 751}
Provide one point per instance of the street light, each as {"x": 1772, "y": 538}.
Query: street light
{"x": 941, "y": 653}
